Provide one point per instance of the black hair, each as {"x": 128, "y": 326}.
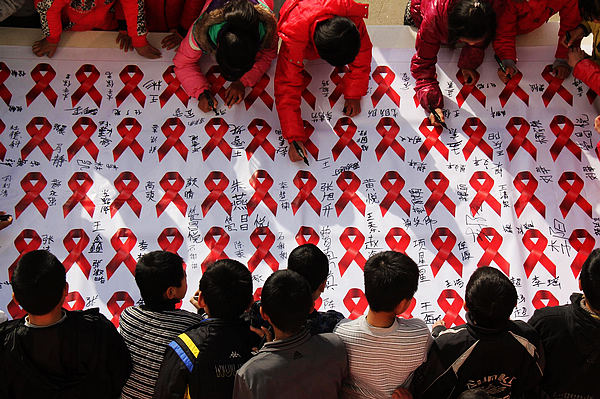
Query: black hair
{"x": 390, "y": 277}
{"x": 311, "y": 263}
{"x": 337, "y": 40}
{"x": 590, "y": 279}
{"x": 226, "y": 287}
{"x": 589, "y": 10}
{"x": 155, "y": 272}
{"x": 38, "y": 282}
{"x": 474, "y": 394}
{"x": 471, "y": 19}
{"x": 287, "y": 300}
{"x": 490, "y": 297}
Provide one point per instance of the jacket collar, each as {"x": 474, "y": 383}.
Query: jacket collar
{"x": 288, "y": 343}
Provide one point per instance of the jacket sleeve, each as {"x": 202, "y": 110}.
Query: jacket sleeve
{"x": 264, "y": 58}
{"x": 118, "y": 360}
{"x": 588, "y": 72}
{"x": 241, "y": 389}
{"x": 423, "y": 64}
{"x": 506, "y": 32}
{"x": 50, "y": 18}
{"x": 427, "y": 381}
{"x": 173, "y": 376}
{"x": 187, "y": 68}
{"x": 569, "y": 19}
{"x": 136, "y": 21}
{"x": 356, "y": 81}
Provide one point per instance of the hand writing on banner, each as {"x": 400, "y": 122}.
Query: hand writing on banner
{"x": 5, "y": 220}
{"x": 433, "y": 119}
{"x": 576, "y": 55}
{"x": 469, "y": 75}
{"x": 509, "y": 71}
{"x": 171, "y": 41}
{"x": 44, "y": 47}
{"x": 234, "y": 93}
{"x": 207, "y": 102}
{"x": 352, "y": 107}
{"x": 572, "y": 37}
{"x": 561, "y": 69}
{"x": 293, "y": 153}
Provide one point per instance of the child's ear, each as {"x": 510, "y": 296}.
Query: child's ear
{"x": 322, "y": 287}
{"x": 403, "y": 305}
{"x": 201, "y": 301}
{"x": 265, "y": 316}
{"x": 171, "y": 293}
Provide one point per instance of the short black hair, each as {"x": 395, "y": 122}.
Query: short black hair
{"x": 337, "y": 40}
{"x": 590, "y": 279}
{"x": 38, "y": 282}
{"x": 155, "y": 272}
{"x": 390, "y": 277}
{"x": 471, "y": 19}
{"x": 287, "y": 300}
{"x": 226, "y": 287}
{"x": 474, "y": 394}
{"x": 311, "y": 263}
{"x": 490, "y": 297}
{"x": 589, "y": 10}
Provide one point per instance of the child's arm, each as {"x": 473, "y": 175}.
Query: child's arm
{"x": 51, "y": 23}
{"x": 585, "y": 69}
{"x": 506, "y": 32}
{"x": 356, "y": 81}
{"x": 187, "y": 69}
{"x": 422, "y": 67}
{"x": 264, "y": 58}
{"x": 136, "y": 27}
{"x": 569, "y": 20}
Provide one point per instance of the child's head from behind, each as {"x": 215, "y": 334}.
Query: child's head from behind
{"x": 161, "y": 279}
{"x": 589, "y": 10}
{"x": 490, "y": 297}
{"x": 39, "y": 282}
{"x": 226, "y": 289}
{"x": 474, "y": 394}
{"x": 472, "y": 22}
{"x": 337, "y": 40}
{"x": 390, "y": 278}
{"x": 590, "y": 279}
{"x": 312, "y": 264}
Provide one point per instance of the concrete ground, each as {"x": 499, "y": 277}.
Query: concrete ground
{"x": 385, "y": 12}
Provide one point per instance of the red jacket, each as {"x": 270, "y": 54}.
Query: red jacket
{"x": 297, "y": 22}
{"x": 162, "y": 17}
{"x": 521, "y": 17}
{"x": 588, "y": 72}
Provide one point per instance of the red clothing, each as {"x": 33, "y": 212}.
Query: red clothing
{"x": 297, "y": 22}
{"x": 177, "y": 14}
{"x": 588, "y": 72}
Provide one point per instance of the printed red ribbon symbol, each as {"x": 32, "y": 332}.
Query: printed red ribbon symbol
{"x": 573, "y": 194}
{"x": 87, "y": 75}
{"x": 475, "y": 129}
{"x": 338, "y": 81}
{"x": 75, "y": 250}
{"x": 171, "y": 193}
{"x": 306, "y": 94}
{"x": 520, "y": 139}
{"x": 23, "y": 246}
{"x": 115, "y": 309}
{"x": 583, "y": 249}
{"x": 84, "y": 138}
{"x": 174, "y": 87}
{"x": 38, "y": 128}
{"x": 259, "y": 130}
{"x": 352, "y": 247}
{"x": 483, "y": 192}
{"x": 261, "y": 192}
{"x": 303, "y": 232}
{"x": 131, "y": 75}
{"x": 389, "y": 138}
{"x": 349, "y": 192}
{"x": 384, "y": 85}
{"x": 536, "y": 252}
{"x": 318, "y": 303}
{"x": 80, "y": 193}
{"x": 2, "y": 147}
{"x": 16, "y": 311}
{"x": 216, "y": 82}
{"x": 42, "y": 84}
{"x": 554, "y": 86}
{"x": 123, "y": 254}
{"x": 216, "y": 247}
{"x": 308, "y": 144}
{"x": 513, "y": 87}
{"x": 491, "y": 248}
{"x": 527, "y": 191}
{"x": 563, "y": 137}
{"x": 346, "y": 135}
{"x": 216, "y": 138}
{"x": 32, "y": 194}
{"x": 305, "y": 182}
{"x": 258, "y": 91}
{"x": 432, "y": 139}
{"x": 541, "y": 295}
{"x": 452, "y": 311}
{"x": 263, "y": 247}
{"x": 76, "y": 298}
{"x": 173, "y": 128}
{"x": 469, "y": 89}
{"x": 407, "y": 314}
{"x": 216, "y": 192}
{"x": 356, "y": 309}
{"x": 128, "y": 129}
{"x": 126, "y": 195}
{"x": 170, "y": 240}
{"x": 444, "y": 248}
{"x": 395, "y": 244}
{"x": 438, "y": 192}
{"x": 393, "y": 193}
{"x": 5, "y": 94}
{"x": 591, "y": 95}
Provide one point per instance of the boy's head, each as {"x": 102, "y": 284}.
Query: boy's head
{"x": 390, "y": 278}
{"x": 474, "y": 394}
{"x": 161, "y": 279}
{"x": 39, "y": 282}
{"x": 286, "y": 300}
{"x": 337, "y": 40}
{"x": 312, "y": 264}
{"x": 589, "y": 279}
{"x": 226, "y": 289}
{"x": 589, "y": 10}
{"x": 490, "y": 297}
{"x": 472, "y": 22}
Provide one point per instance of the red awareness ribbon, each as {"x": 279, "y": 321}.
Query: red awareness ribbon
{"x": 407, "y": 314}
{"x": 305, "y": 182}
{"x": 128, "y": 129}
{"x": 352, "y": 247}
{"x": 216, "y": 138}
{"x": 216, "y": 82}
{"x": 32, "y": 194}
{"x": 123, "y": 254}
{"x": 260, "y": 129}
{"x": 432, "y": 139}
{"x": 87, "y": 75}
{"x": 475, "y": 129}
{"x": 349, "y": 192}
{"x": 42, "y": 75}
{"x": 257, "y": 294}
{"x": 80, "y": 183}
{"x": 131, "y": 75}
{"x": 23, "y": 246}
{"x": 388, "y": 140}
{"x": 491, "y": 249}
{"x": 512, "y": 86}
{"x": 216, "y": 246}
{"x": 306, "y": 94}
{"x": 304, "y": 232}
{"x": 261, "y": 192}
{"x": 38, "y": 128}
{"x": 308, "y": 143}
{"x": 75, "y": 250}
{"x": 126, "y": 194}
{"x": 470, "y": 89}
{"x": 76, "y": 298}
{"x": 526, "y": 184}
{"x": 115, "y": 309}
{"x": 318, "y": 303}
{"x": 84, "y": 138}
{"x": 437, "y": 183}
{"x": 173, "y": 128}
{"x": 573, "y": 194}
{"x": 5, "y": 94}
{"x": 395, "y": 243}
{"x": 452, "y": 311}
{"x": 536, "y": 252}
{"x": 563, "y": 137}
{"x": 173, "y": 87}
{"x": 393, "y": 193}
{"x": 583, "y": 249}
{"x": 384, "y": 85}
{"x": 170, "y": 240}
{"x": 258, "y": 91}
{"x": 444, "y": 248}
{"x": 216, "y": 192}
{"x": 338, "y": 81}
{"x": 358, "y": 308}
{"x": 171, "y": 193}
{"x": 554, "y": 86}
{"x": 2, "y": 147}
{"x": 520, "y": 139}
{"x": 263, "y": 249}
{"x": 345, "y": 129}
{"x": 591, "y": 95}
{"x": 541, "y": 295}
{"x": 15, "y": 310}
{"x": 483, "y": 192}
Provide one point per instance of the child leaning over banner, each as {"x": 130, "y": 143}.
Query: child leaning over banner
{"x": 241, "y": 34}
{"x": 490, "y": 352}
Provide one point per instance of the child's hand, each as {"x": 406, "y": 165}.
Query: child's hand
{"x": 44, "y": 47}
{"x": 576, "y": 55}
{"x": 148, "y": 51}
{"x": 205, "y": 100}
{"x": 352, "y": 107}
{"x": 510, "y": 72}
{"x": 234, "y": 93}
{"x": 440, "y": 322}
{"x": 468, "y": 75}
{"x": 124, "y": 41}
{"x": 401, "y": 393}
{"x": 5, "y": 223}
{"x": 294, "y": 156}
{"x": 194, "y": 300}
{"x": 561, "y": 69}
{"x": 576, "y": 35}
{"x": 434, "y": 121}
{"x": 171, "y": 41}
{"x": 597, "y": 123}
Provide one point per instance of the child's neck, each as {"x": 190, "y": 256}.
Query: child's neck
{"x": 381, "y": 319}
{"x": 47, "y": 319}
{"x": 280, "y": 335}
